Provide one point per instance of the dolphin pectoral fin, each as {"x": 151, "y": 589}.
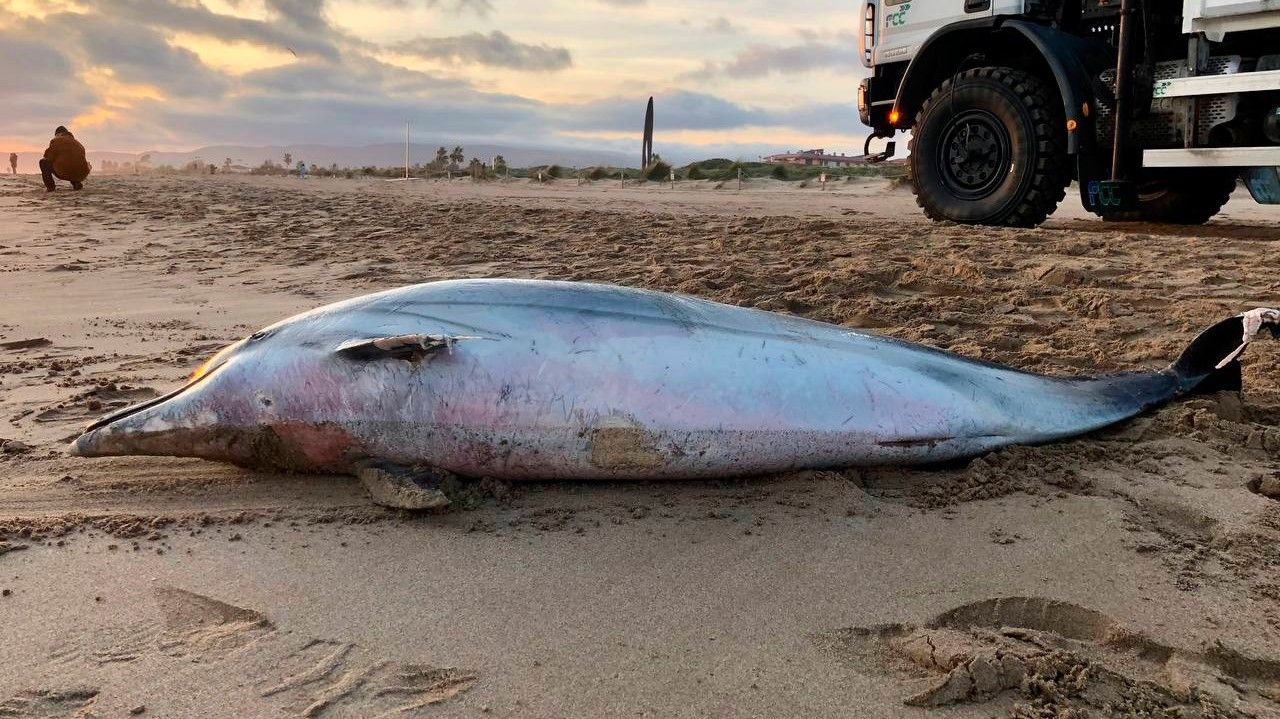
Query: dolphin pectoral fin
{"x": 405, "y": 347}
{"x": 401, "y": 488}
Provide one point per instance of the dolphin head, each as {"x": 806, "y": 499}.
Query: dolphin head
{"x": 265, "y": 401}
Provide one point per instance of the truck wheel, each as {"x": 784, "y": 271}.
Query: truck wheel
{"x": 1180, "y": 197}
{"x": 989, "y": 147}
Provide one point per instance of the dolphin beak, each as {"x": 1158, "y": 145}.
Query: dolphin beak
{"x": 162, "y": 426}
{"x": 108, "y": 442}
{"x": 86, "y": 445}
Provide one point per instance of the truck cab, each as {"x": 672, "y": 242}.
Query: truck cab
{"x": 1156, "y": 108}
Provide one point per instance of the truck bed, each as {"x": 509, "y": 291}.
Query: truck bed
{"x": 1216, "y": 18}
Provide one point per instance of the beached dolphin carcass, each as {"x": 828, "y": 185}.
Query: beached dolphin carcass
{"x": 559, "y": 380}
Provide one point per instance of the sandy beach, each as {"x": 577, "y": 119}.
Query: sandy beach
{"x": 1134, "y": 572}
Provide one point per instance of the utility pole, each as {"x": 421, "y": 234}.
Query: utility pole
{"x": 646, "y": 147}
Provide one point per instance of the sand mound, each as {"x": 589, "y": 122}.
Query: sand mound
{"x": 1059, "y": 660}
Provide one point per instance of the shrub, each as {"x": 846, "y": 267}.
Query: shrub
{"x": 657, "y": 172}
{"x": 779, "y": 172}
{"x": 730, "y": 172}
{"x": 717, "y": 163}
{"x": 549, "y": 173}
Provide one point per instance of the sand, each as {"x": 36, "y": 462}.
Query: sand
{"x": 1133, "y": 572}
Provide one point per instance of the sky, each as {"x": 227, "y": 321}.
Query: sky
{"x": 731, "y": 77}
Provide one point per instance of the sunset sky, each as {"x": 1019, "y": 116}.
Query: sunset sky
{"x": 731, "y": 76}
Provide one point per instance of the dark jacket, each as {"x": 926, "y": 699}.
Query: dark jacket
{"x": 66, "y": 154}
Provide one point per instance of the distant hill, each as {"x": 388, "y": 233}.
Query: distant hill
{"x": 380, "y": 155}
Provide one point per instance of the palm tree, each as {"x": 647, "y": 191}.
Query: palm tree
{"x": 457, "y": 156}
{"x": 499, "y": 165}
{"x": 442, "y": 158}
{"x": 288, "y": 159}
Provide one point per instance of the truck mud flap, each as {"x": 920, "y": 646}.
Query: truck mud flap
{"x": 1100, "y": 196}
{"x": 1263, "y": 184}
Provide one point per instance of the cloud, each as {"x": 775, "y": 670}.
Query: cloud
{"x": 137, "y": 55}
{"x": 479, "y": 7}
{"x": 131, "y": 54}
{"x": 679, "y": 110}
{"x": 39, "y": 84}
{"x": 30, "y": 66}
{"x": 831, "y": 117}
{"x": 496, "y": 49}
{"x": 721, "y": 24}
{"x": 39, "y": 87}
{"x": 306, "y": 15}
{"x": 299, "y": 31}
{"x": 697, "y": 112}
{"x": 118, "y": 73}
{"x": 350, "y": 120}
{"x": 839, "y": 52}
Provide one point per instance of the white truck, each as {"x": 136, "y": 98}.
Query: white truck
{"x": 1156, "y": 107}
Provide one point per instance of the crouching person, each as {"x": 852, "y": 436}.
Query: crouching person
{"x": 64, "y": 160}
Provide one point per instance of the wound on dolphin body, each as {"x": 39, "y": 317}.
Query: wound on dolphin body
{"x": 624, "y": 446}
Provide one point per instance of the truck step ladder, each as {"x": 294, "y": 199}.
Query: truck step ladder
{"x": 1260, "y": 81}
{"x": 1213, "y": 157}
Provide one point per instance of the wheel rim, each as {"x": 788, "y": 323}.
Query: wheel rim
{"x": 974, "y": 155}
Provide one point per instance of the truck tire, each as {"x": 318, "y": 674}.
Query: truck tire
{"x": 989, "y": 147}
{"x": 1180, "y": 196}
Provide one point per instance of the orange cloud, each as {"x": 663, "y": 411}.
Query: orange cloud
{"x": 15, "y": 144}
{"x": 234, "y": 58}
{"x": 95, "y": 117}
{"x": 118, "y": 97}
{"x": 42, "y": 8}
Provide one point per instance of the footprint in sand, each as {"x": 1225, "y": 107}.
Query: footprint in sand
{"x": 331, "y": 679}
{"x": 1266, "y": 485}
{"x": 49, "y": 704}
{"x": 1062, "y": 659}
{"x": 196, "y": 625}
{"x": 307, "y": 677}
{"x": 110, "y": 645}
{"x": 95, "y": 402}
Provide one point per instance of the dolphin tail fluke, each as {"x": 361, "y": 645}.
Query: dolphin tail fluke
{"x": 1211, "y": 362}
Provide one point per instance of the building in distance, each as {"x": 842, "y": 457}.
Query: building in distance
{"x": 815, "y": 158}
